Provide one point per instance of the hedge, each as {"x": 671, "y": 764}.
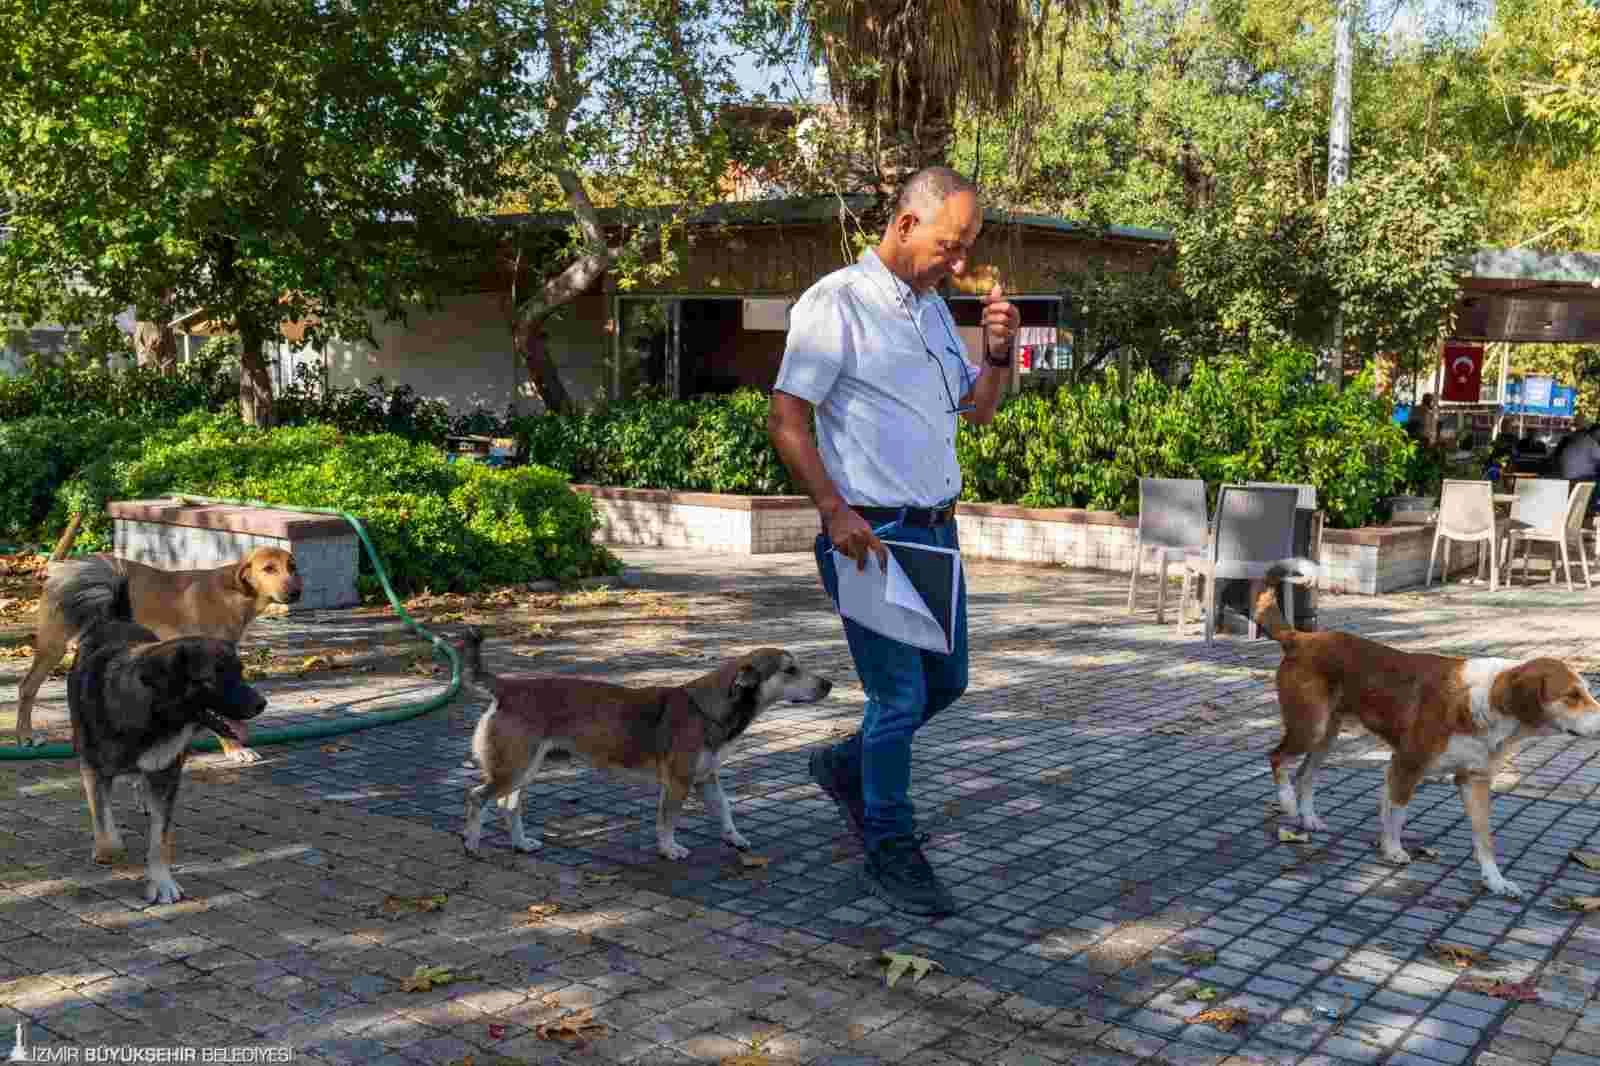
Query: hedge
{"x": 438, "y": 525}
{"x": 1265, "y": 419}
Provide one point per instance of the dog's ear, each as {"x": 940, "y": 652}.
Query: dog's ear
{"x": 746, "y": 683}
{"x": 1522, "y": 692}
{"x": 166, "y": 671}
{"x": 240, "y": 578}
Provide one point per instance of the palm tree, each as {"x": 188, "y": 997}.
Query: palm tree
{"x": 900, "y": 69}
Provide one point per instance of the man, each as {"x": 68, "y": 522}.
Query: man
{"x": 1580, "y": 460}
{"x": 872, "y": 348}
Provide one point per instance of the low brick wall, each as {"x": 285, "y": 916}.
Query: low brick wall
{"x": 175, "y": 536}
{"x": 1365, "y": 562}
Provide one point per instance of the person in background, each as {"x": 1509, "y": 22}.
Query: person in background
{"x": 1579, "y": 460}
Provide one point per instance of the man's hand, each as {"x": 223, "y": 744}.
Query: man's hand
{"x": 853, "y": 537}
{"x": 1001, "y": 320}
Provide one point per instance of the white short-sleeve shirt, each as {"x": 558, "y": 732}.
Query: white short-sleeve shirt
{"x": 885, "y": 369}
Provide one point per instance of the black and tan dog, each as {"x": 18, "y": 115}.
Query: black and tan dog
{"x": 220, "y": 602}
{"x": 136, "y": 703}
{"x": 674, "y": 735}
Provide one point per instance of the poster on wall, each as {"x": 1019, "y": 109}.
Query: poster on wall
{"x": 1463, "y": 372}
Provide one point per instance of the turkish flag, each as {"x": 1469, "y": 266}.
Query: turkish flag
{"x": 1463, "y": 372}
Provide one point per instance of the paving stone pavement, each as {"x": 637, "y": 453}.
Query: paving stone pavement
{"x": 1099, "y": 801}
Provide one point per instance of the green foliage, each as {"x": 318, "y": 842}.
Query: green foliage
{"x": 1261, "y": 419}
{"x": 438, "y": 525}
{"x": 708, "y": 444}
{"x": 81, "y": 387}
{"x": 1256, "y": 419}
{"x": 38, "y": 454}
{"x": 259, "y": 162}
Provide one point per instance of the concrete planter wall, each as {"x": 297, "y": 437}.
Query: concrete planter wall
{"x": 1358, "y": 561}
{"x": 173, "y": 536}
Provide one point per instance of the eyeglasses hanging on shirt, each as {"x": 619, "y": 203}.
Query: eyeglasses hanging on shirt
{"x": 953, "y": 349}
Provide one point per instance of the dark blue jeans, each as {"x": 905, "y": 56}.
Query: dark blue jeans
{"x": 905, "y": 686}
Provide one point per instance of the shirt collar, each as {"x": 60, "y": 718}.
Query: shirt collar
{"x": 892, "y": 288}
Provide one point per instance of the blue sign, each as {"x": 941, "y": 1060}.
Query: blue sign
{"x": 1513, "y": 404}
{"x": 1563, "y": 398}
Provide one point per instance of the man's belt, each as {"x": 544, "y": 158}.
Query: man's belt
{"x": 917, "y": 517}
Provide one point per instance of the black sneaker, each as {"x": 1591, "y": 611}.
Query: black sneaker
{"x": 842, "y": 787}
{"x": 899, "y": 874}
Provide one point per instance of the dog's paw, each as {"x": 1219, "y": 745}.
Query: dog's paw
{"x": 673, "y": 851}
{"x": 1501, "y": 887}
{"x": 1396, "y": 854}
{"x": 736, "y": 840}
{"x": 1312, "y": 824}
{"x": 163, "y": 890}
{"x": 244, "y": 755}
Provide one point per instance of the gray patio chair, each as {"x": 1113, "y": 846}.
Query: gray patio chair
{"x": 1315, "y": 520}
{"x": 1254, "y": 529}
{"x": 1172, "y": 524}
{"x": 1466, "y": 514}
{"x": 1560, "y": 530}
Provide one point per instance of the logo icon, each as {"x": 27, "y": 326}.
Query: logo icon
{"x": 19, "y": 1051}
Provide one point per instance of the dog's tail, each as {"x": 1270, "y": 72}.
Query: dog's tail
{"x": 86, "y": 592}
{"x": 70, "y": 534}
{"x": 472, "y": 660}
{"x": 1265, "y": 595}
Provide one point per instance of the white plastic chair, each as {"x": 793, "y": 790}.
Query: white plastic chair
{"x": 1466, "y": 514}
{"x": 1307, "y": 502}
{"x": 1172, "y": 524}
{"x": 1566, "y": 527}
{"x": 1253, "y": 531}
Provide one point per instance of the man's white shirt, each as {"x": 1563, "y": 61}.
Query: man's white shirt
{"x": 884, "y": 367}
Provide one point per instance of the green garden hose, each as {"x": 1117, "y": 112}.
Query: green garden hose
{"x": 317, "y": 730}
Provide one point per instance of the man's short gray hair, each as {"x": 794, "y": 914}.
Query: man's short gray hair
{"x": 930, "y": 187}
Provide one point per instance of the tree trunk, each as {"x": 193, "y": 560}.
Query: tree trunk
{"x": 154, "y": 344}
{"x": 255, "y": 380}
{"x": 533, "y": 346}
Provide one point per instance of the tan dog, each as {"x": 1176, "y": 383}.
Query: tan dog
{"x": 674, "y": 735}
{"x": 219, "y": 603}
{"x": 1440, "y": 715}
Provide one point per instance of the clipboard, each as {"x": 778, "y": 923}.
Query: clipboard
{"x": 913, "y": 600}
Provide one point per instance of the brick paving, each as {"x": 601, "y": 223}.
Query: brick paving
{"x": 1099, "y": 801}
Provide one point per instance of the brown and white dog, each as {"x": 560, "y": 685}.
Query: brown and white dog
{"x": 1441, "y": 716}
{"x": 219, "y": 603}
{"x": 675, "y": 735}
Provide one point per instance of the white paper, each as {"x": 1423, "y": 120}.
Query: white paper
{"x": 886, "y": 602}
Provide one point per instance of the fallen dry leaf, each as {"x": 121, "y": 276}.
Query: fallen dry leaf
{"x": 394, "y": 906}
{"x": 312, "y": 664}
{"x": 1581, "y": 903}
{"x": 1590, "y": 859}
{"x": 1289, "y": 836}
{"x": 1223, "y": 1018}
{"x": 600, "y": 879}
{"x": 899, "y": 964}
{"x": 1458, "y": 955}
{"x": 856, "y": 1032}
{"x": 497, "y": 1031}
{"x": 574, "y": 1028}
{"x": 753, "y": 862}
{"x": 1197, "y": 958}
{"x": 1524, "y": 991}
{"x": 538, "y": 912}
{"x": 427, "y": 978}
{"x": 335, "y": 747}
{"x": 1204, "y": 994}
{"x": 1428, "y": 853}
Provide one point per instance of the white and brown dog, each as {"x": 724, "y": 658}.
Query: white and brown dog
{"x": 1441, "y": 716}
{"x": 674, "y": 735}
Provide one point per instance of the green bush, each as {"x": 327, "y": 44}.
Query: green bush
{"x": 79, "y": 387}
{"x": 1261, "y": 419}
{"x": 437, "y": 525}
{"x": 708, "y": 444}
{"x": 38, "y": 454}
